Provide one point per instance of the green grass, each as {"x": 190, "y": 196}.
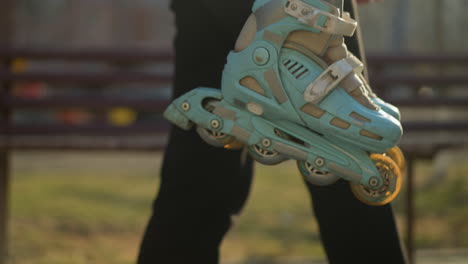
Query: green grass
{"x": 92, "y": 207}
{"x": 80, "y": 207}
{"x": 277, "y": 220}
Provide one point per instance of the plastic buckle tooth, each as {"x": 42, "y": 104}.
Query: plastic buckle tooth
{"x": 310, "y": 15}
{"x": 337, "y": 25}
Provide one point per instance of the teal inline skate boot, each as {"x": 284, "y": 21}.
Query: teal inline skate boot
{"x": 394, "y": 153}
{"x": 386, "y": 107}
{"x": 291, "y": 90}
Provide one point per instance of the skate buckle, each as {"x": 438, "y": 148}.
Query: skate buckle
{"x": 330, "y": 78}
{"x": 310, "y": 15}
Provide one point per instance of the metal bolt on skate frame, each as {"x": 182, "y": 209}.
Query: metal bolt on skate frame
{"x": 373, "y": 182}
{"x": 185, "y": 106}
{"x": 215, "y": 123}
{"x": 266, "y": 142}
{"x": 319, "y": 162}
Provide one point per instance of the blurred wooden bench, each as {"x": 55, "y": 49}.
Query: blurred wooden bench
{"x": 428, "y": 83}
{"x": 423, "y": 138}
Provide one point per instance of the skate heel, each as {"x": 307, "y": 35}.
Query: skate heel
{"x": 173, "y": 115}
{"x": 188, "y": 109}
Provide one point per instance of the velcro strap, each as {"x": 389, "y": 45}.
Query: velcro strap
{"x": 331, "y": 77}
{"x": 310, "y": 15}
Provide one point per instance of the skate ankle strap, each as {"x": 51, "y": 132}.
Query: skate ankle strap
{"x": 311, "y": 15}
{"x": 331, "y": 77}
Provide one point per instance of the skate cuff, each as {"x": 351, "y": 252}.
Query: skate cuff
{"x": 331, "y": 77}
{"x": 311, "y": 15}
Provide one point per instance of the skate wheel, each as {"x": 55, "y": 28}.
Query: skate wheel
{"x": 390, "y": 172}
{"x": 265, "y": 156}
{"x": 234, "y": 145}
{"x": 396, "y": 155}
{"x": 215, "y": 138}
{"x": 315, "y": 176}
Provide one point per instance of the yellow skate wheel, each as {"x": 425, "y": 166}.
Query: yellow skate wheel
{"x": 397, "y": 155}
{"x": 392, "y": 177}
{"x": 234, "y": 145}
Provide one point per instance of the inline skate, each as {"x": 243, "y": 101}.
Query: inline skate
{"x": 291, "y": 90}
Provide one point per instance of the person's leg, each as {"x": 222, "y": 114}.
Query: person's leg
{"x": 351, "y": 231}
{"x": 201, "y": 186}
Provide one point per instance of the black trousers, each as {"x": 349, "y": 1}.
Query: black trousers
{"x": 202, "y": 187}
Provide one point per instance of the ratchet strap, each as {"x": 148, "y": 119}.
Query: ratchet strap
{"x": 331, "y": 77}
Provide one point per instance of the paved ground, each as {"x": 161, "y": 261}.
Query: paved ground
{"x": 444, "y": 256}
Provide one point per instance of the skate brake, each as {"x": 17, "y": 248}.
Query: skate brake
{"x": 331, "y": 77}
{"x": 310, "y": 15}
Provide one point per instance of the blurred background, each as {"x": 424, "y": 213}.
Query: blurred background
{"x": 83, "y": 84}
